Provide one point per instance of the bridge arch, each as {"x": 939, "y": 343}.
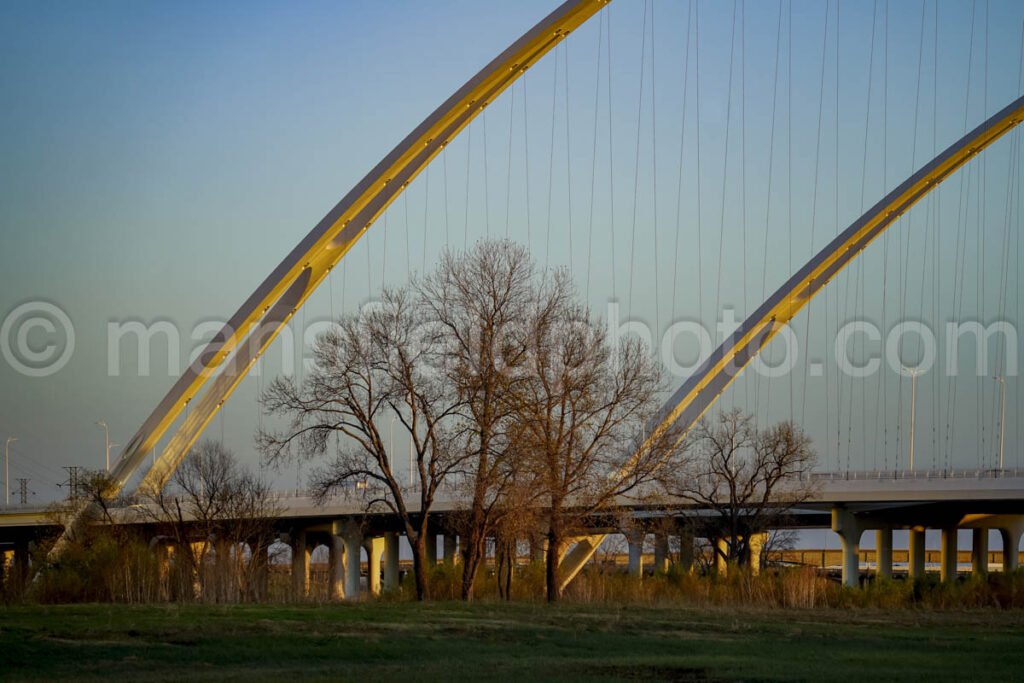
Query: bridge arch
{"x": 230, "y": 355}
{"x": 233, "y": 351}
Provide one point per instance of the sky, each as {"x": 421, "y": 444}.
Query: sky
{"x": 159, "y": 159}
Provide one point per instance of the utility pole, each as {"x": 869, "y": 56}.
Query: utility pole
{"x": 7, "y": 469}
{"x": 23, "y": 492}
{"x": 913, "y": 409}
{"x": 74, "y": 482}
{"x": 1002, "y": 416}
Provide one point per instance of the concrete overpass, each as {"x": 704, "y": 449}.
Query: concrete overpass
{"x": 848, "y": 503}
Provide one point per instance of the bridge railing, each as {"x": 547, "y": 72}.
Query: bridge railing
{"x": 923, "y": 475}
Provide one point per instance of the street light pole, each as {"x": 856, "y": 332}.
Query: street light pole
{"x": 1002, "y": 416}
{"x": 106, "y": 441}
{"x": 913, "y": 409}
{"x": 7, "y": 470}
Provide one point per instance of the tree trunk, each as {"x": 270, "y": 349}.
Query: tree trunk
{"x": 554, "y": 589}
{"x": 472, "y": 556}
{"x": 419, "y": 566}
{"x": 506, "y": 563}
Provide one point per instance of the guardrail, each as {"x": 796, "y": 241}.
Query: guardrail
{"x": 923, "y": 475}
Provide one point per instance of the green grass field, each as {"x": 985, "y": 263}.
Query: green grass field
{"x": 453, "y": 641}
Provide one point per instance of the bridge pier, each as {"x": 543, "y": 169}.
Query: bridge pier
{"x": 883, "y": 553}
{"x": 374, "y": 551}
{"x": 164, "y": 551}
{"x": 948, "y": 556}
{"x": 635, "y": 543}
{"x": 259, "y": 564}
{"x": 391, "y": 570}
{"x": 1011, "y": 542}
{"x": 1011, "y": 534}
{"x": 979, "y": 552}
{"x": 756, "y": 545}
{"x": 352, "y": 538}
{"x": 336, "y": 568}
{"x": 661, "y": 552}
{"x": 538, "y": 548}
{"x": 451, "y": 546}
{"x": 846, "y": 525}
{"x": 916, "y": 552}
{"x": 300, "y": 564}
{"x": 686, "y": 551}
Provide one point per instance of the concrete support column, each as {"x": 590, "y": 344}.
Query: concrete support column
{"x": 686, "y": 551}
{"x": 979, "y": 552}
{"x": 164, "y": 552}
{"x": 635, "y": 541}
{"x": 353, "y": 540}
{"x": 391, "y": 572}
{"x": 661, "y": 552}
{"x": 757, "y": 543}
{"x": 915, "y": 549}
{"x": 538, "y": 549}
{"x": 883, "y": 553}
{"x": 300, "y": 565}
{"x": 260, "y": 560}
{"x": 374, "y": 551}
{"x": 1011, "y": 547}
{"x": 451, "y": 546}
{"x": 336, "y": 568}
{"x": 947, "y": 556}
{"x": 222, "y": 570}
{"x": 845, "y": 524}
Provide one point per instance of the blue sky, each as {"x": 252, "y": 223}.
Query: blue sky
{"x": 159, "y": 159}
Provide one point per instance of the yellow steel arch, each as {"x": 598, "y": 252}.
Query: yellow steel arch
{"x": 702, "y": 389}
{"x": 228, "y": 358}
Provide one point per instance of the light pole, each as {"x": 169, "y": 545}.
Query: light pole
{"x": 1002, "y": 416}
{"x": 913, "y": 409}
{"x": 7, "y": 469}
{"x": 106, "y": 432}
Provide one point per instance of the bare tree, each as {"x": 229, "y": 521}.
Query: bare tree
{"x": 380, "y": 364}
{"x": 748, "y": 478}
{"x": 581, "y": 414}
{"x": 214, "y": 504}
{"x": 482, "y": 300}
